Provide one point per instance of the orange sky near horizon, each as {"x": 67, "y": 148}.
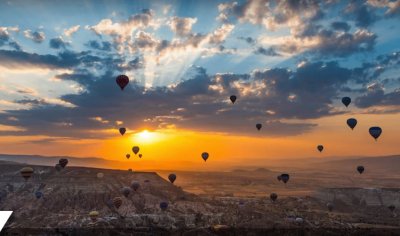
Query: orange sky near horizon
{"x": 181, "y": 149}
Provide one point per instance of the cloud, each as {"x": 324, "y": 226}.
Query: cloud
{"x": 182, "y": 26}
{"x": 266, "y": 52}
{"x": 58, "y": 43}
{"x": 35, "y": 36}
{"x": 72, "y": 30}
{"x": 340, "y": 25}
{"x": 103, "y": 46}
{"x": 362, "y": 13}
{"x": 392, "y": 7}
{"x": 5, "y": 38}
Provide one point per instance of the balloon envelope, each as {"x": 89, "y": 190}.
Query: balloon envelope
{"x": 320, "y": 148}
{"x": 63, "y": 162}
{"x": 38, "y": 194}
{"x": 117, "y": 201}
{"x": 135, "y": 185}
{"x": 58, "y": 167}
{"x": 232, "y": 98}
{"x": 392, "y": 208}
{"x": 128, "y": 156}
{"x": 360, "y": 169}
{"x": 135, "y": 149}
{"x": 126, "y": 191}
{"x": 163, "y": 206}
{"x": 26, "y": 172}
{"x": 346, "y": 101}
{"x": 122, "y": 131}
{"x": 204, "y": 155}
{"x": 285, "y": 178}
{"x": 258, "y": 126}
{"x": 172, "y": 178}
{"x": 93, "y": 215}
{"x": 273, "y": 196}
{"x": 122, "y": 81}
{"x": 352, "y": 123}
{"x": 375, "y": 132}
{"x": 279, "y": 178}
{"x": 140, "y": 155}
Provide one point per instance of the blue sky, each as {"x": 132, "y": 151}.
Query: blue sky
{"x": 288, "y": 61}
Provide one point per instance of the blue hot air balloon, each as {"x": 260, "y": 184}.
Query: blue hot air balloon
{"x": 375, "y": 132}
{"x": 346, "y": 101}
{"x": 352, "y": 123}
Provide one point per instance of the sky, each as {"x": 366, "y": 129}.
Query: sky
{"x": 288, "y": 62}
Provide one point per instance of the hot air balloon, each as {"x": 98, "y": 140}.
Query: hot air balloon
{"x": 360, "y": 169}
{"x": 273, "y": 197}
{"x": 233, "y": 99}
{"x": 93, "y": 215}
{"x": 346, "y": 101}
{"x": 279, "y": 178}
{"x": 100, "y": 175}
{"x": 204, "y": 155}
{"x": 285, "y": 178}
{"x": 38, "y": 194}
{"x": 163, "y": 206}
{"x": 63, "y": 162}
{"x": 122, "y": 130}
{"x": 258, "y": 126}
{"x": 117, "y": 201}
{"x": 375, "y": 132}
{"x": 352, "y": 123}
{"x": 58, "y": 167}
{"x": 26, "y": 172}
{"x": 140, "y": 155}
{"x": 126, "y": 191}
{"x": 172, "y": 178}
{"x": 320, "y": 148}
{"x": 129, "y": 170}
{"x": 122, "y": 81}
{"x": 135, "y": 185}
{"x": 135, "y": 149}
{"x": 329, "y": 206}
{"x": 392, "y": 208}
{"x": 128, "y": 156}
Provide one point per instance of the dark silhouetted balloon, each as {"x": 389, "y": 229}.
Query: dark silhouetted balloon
{"x": 273, "y": 196}
{"x": 352, "y": 123}
{"x": 140, "y": 155}
{"x": 26, "y": 172}
{"x": 285, "y": 178}
{"x": 63, "y": 162}
{"x": 135, "y": 149}
{"x": 346, "y": 101}
{"x": 128, "y": 156}
{"x": 130, "y": 170}
{"x": 329, "y": 206}
{"x": 375, "y": 132}
{"x": 360, "y": 169}
{"x": 258, "y": 126}
{"x": 163, "y": 206}
{"x": 320, "y": 148}
{"x": 58, "y": 167}
{"x": 172, "y": 178}
{"x": 38, "y": 194}
{"x": 126, "y": 191}
{"x": 117, "y": 201}
{"x": 135, "y": 185}
{"x": 204, "y": 155}
{"x": 392, "y": 208}
{"x": 279, "y": 178}
{"x": 122, "y": 130}
{"x": 233, "y": 98}
{"x": 122, "y": 81}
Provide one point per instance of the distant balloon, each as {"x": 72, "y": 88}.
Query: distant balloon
{"x": 172, "y": 178}
{"x": 135, "y": 185}
{"x": 140, "y": 155}
{"x": 93, "y": 215}
{"x": 26, "y": 172}
{"x": 100, "y": 175}
{"x": 360, "y": 169}
{"x": 346, "y": 101}
{"x": 130, "y": 170}
{"x": 63, "y": 162}
{"x": 329, "y": 206}
{"x": 279, "y": 178}
{"x": 375, "y": 132}
{"x": 126, "y": 191}
{"x": 38, "y": 194}
{"x": 135, "y": 149}
{"x": 392, "y": 208}
{"x": 285, "y": 178}
{"x": 163, "y": 206}
{"x": 204, "y": 155}
{"x": 122, "y": 130}
{"x": 233, "y": 98}
{"x": 273, "y": 196}
{"x": 58, "y": 167}
{"x": 117, "y": 201}
{"x": 128, "y": 156}
{"x": 320, "y": 148}
{"x": 258, "y": 126}
{"x": 352, "y": 123}
{"x": 122, "y": 81}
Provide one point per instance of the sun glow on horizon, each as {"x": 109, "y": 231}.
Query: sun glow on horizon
{"x": 146, "y": 136}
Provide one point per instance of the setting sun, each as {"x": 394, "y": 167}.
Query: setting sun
{"x": 145, "y": 136}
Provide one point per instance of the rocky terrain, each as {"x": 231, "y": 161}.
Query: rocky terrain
{"x": 71, "y": 194}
